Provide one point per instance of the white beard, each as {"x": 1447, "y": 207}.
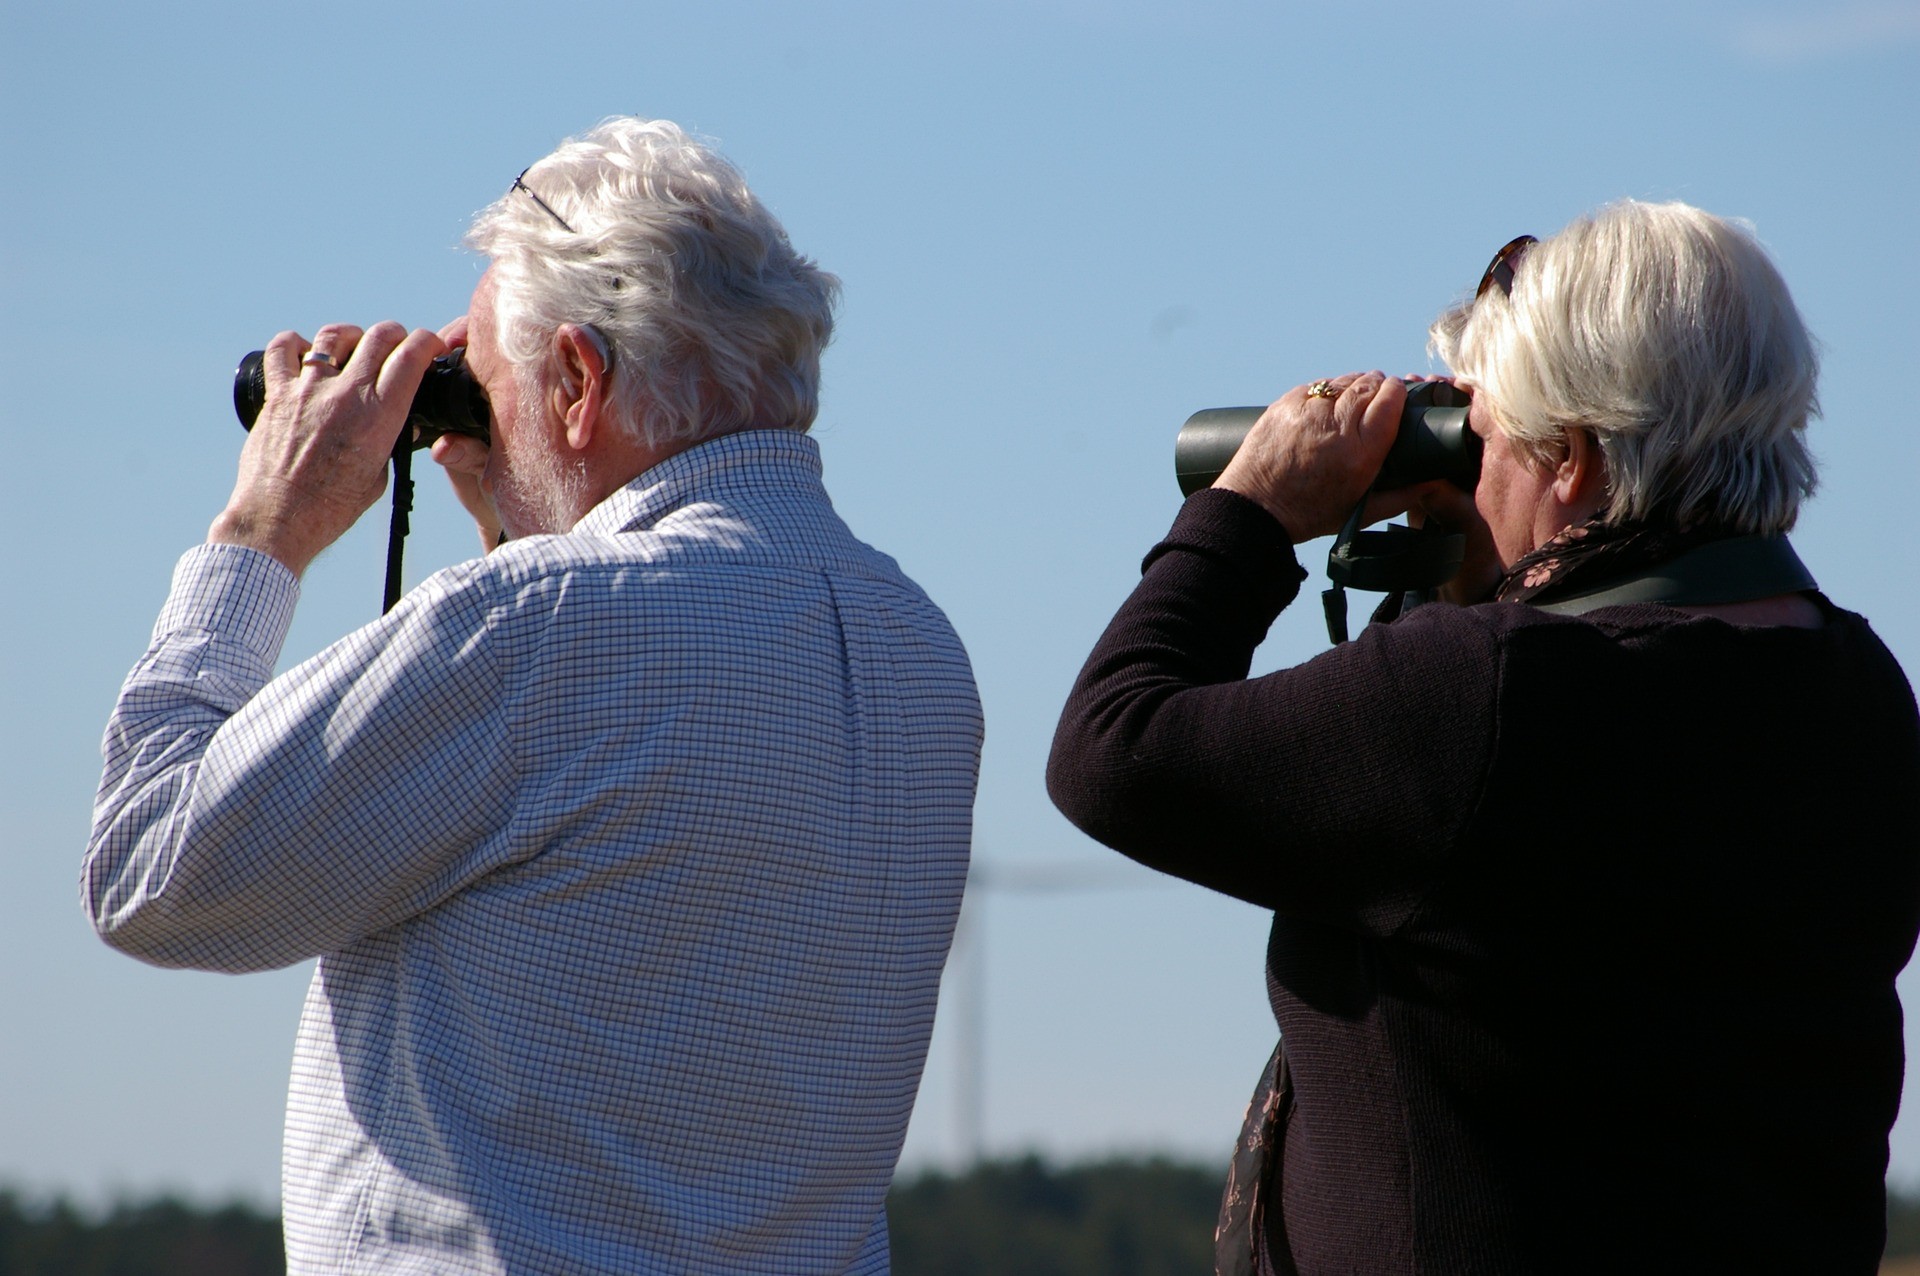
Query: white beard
{"x": 536, "y": 490}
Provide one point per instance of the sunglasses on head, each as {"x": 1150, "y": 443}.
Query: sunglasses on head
{"x": 1500, "y": 269}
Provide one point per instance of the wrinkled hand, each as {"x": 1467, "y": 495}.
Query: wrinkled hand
{"x": 316, "y": 458}
{"x": 465, "y": 460}
{"x": 1446, "y": 507}
{"x": 1309, "y": 459}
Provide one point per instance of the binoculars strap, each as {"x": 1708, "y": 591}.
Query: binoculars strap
{"x": 1736, "y": 570}
{"x": 398, "y": 525}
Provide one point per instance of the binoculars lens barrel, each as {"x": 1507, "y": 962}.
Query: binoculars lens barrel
{"x": 1434, "y": 441}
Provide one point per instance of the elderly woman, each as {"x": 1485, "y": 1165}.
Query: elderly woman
{"x": 1591, "y": 880}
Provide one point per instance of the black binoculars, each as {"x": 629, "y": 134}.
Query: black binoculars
{"x": 449, "y": 400}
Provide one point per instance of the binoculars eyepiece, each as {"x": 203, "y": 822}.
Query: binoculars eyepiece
{"x": 449, "y": 400}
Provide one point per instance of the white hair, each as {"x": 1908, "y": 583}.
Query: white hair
{"x": 1667, "y": 333}
{"x": 715, "y": 322}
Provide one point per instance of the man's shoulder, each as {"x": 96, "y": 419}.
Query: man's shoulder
{"x": 537, "y": 572}
{"x": 677, "y": 567}
{"x": 706, "y": 544}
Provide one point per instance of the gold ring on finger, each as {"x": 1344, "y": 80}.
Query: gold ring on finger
{"x": 1322, "y": 390}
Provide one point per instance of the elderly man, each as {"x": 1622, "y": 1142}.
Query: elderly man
{"x": 630, "y": 852}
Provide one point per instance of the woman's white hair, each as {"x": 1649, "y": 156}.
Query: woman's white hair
{"x": 715, "y": 322}
{"x": 1667, "y": 333}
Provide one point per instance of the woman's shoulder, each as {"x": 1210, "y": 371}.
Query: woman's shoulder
{"x": 1639, "y": 635}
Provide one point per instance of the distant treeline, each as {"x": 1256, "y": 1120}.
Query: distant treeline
{"x": 158, "y": 1238}
{"x": 1025, "y": 1218}
{"x": 1002, "y": 1218}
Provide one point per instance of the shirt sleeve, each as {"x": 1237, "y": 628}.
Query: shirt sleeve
{"x": 1329, "y": 790}
{"x": 244, "y": 823}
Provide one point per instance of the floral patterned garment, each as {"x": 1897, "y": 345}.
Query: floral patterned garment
{"x": 1241, "y": 1238}
{"x": 1590, "y": 554}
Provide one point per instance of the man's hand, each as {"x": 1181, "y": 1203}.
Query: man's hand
{"x": 1311, "y": 456}
{"x": 316, "y": 458}
{"x": 465, "y": 460}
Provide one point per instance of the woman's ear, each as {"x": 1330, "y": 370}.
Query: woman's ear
{"x": 1581, "y": 476}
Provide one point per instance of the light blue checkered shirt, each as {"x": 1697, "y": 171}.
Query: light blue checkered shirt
{"x": 631, "y": 858}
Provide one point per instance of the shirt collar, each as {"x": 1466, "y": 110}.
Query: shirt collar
{"x": 747, "y": 460}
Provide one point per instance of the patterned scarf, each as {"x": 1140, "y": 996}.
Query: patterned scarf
{"x": 1246, "y": 1241}
{"x": 1591, "y": 554}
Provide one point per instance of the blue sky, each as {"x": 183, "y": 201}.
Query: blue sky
{"x": 1062, "y": 226}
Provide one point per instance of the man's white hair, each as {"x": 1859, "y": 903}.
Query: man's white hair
{"x": 715, "y": 322}
{"x": 1667, "y": 332}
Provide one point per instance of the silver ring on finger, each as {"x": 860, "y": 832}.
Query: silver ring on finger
{"x": 320, "y": 359}
{"x": 1322, "y": 390}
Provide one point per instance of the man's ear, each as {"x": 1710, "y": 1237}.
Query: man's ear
{"x": 1582, "y": 472}
{"x": 579, "y": 394}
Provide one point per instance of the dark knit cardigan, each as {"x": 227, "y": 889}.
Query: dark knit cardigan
{"x": 1585, "y": 929}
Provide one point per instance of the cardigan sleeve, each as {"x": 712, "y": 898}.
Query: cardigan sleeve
{"x": 1330, "y": 790}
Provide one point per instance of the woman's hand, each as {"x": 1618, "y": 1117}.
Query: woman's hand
{"x": 1312, "y": 455}
{"x": 1446, "y": 508}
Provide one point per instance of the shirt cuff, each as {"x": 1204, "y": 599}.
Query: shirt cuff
{"x": 243, "y": 595}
